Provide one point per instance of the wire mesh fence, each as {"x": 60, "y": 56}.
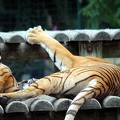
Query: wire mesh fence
{"x": 16, "y": 15}
{"x": 54, "y": 14}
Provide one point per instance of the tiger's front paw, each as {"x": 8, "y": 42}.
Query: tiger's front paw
{"x": 35, "y": 35}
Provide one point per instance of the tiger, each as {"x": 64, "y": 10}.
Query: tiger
{"x": 8, "y": 83}
{"x": 82, "y": 77}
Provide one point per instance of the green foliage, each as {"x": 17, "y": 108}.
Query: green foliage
{"x": 101, "y": 13}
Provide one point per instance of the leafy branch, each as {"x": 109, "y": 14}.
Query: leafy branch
{"x": 101, "y": 13}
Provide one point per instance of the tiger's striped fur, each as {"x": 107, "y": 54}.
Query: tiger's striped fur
{"x": 7, "y": 81}
{"x": 84, "y": 77}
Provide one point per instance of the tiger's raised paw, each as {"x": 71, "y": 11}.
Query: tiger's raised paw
{"x": 36, "y": 35}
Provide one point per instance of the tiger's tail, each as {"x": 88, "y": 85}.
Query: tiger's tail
{"x": 92, "y": 91}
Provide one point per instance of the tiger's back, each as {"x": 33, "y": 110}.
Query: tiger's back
{"x": 106, "y": 75}
{"x": 76, "y": 79}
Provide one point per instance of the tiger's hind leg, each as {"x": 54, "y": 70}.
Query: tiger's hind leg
{"x": 95, "y": 89}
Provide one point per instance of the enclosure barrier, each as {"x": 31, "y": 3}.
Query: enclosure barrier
{"x": 100, "y": 43}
